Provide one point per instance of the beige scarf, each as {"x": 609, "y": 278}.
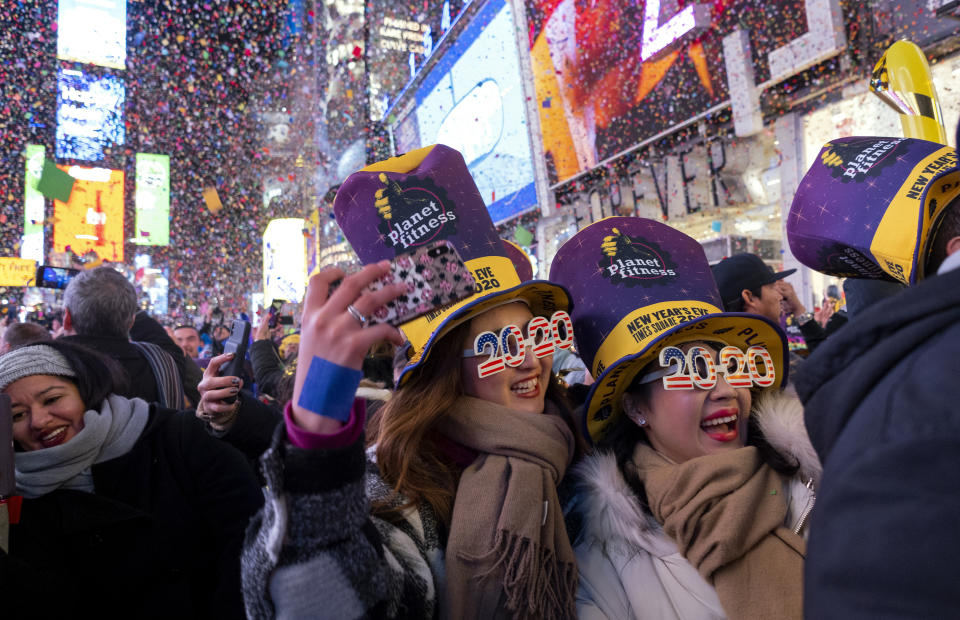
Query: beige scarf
{"x": 508, "y": 554}
{"x": 726, "y": 513}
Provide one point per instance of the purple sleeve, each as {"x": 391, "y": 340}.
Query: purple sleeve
{"x": 315, "y": 441}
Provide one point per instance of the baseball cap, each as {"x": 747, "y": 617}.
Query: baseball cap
{"x": 743, "y": 271}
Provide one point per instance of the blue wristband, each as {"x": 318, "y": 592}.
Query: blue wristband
{"x": 329, "y": 389}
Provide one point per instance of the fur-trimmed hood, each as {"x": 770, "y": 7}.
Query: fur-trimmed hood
{"x": 609, "y": 508}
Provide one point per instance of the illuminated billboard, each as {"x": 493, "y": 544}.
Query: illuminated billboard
{"x": 284, "y": 260}
{"x": 472, "y": 100}
{"x": 93, "y": 31}
{"x": 610, "y": 75}
{"x": 89, "y": 114}
{"x": 33, "y": 205}
{"x": 152, "y": 199}
{"x": 17, "y": 271}
{"x": 400, "y": 38}
{"x": 93, "y": 219}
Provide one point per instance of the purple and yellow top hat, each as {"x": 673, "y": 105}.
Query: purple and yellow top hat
{"x": 867, "y": 206}
{"x": 639, "y": 286}
{"x": 394, "y": 206}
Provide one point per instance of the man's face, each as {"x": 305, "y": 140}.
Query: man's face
{"x": 188, "y": 339}
{"x": 768, "y": 304}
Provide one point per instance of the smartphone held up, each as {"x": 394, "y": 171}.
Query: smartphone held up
{"x": 236, "y": 344}
{"x": 273, "y": 314}
{"x": 434, "y": 275}
{"x": 54, "y": 277}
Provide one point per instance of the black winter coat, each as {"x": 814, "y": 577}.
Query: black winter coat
{"x": 252, "y": 430}
{"x": 882, "y": 403}
{"x": 267, "y": 366}
{"x": 160, "y": 538}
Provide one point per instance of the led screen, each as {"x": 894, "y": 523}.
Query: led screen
{"x": 609, "y": 75}
{"x": 400, "y": 38}
{"x": 93, "y": 31}
{"x": 89, "y": 114}
{"x": 156, "y": 285}
{"x": 472, "y": 100}
{"x": 93, "y": 219}
{"x": 152, "y": 199}
{"x": 284, "y": 260}
{"x": 33, "y": 205}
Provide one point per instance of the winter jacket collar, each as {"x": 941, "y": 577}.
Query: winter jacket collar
{"x": 838, "y": 376}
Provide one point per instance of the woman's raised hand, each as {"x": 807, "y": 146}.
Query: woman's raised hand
{"x": 213, "y": 389}
{"x": 334, "y": 330}
{"x": 263, "y": 327}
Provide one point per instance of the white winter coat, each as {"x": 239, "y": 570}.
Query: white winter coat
{"x": 630, "y": 569}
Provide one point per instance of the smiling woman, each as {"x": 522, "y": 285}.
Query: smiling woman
{"x": 688, "y": 510}
{"x": 685, "y": 424}
{"x": 436, "y": 521}
{"x": 47, "y": 411}
{"x": 520, "y": 387}
{"x": 129, "y": 508}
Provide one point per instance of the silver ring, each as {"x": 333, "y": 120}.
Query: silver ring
{"x": 356, "y": 314}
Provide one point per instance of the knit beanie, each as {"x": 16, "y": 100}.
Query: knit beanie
{"x": 38, "y": 359}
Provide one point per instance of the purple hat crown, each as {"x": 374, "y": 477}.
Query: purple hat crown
{"x": 384, "y": 212}
{"x": 618, "y": 265}
{"x": 866, "y": 206}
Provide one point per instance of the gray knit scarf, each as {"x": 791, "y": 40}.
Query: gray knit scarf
{"x": 106, "y": 434}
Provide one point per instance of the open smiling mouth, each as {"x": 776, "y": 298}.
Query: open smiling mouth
{"x": 54, "y": 438}
{"x": 526, "y": 388}
{"x": 721, "y": 426}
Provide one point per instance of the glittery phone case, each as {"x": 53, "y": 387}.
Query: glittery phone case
{"x": 435, "y": 277}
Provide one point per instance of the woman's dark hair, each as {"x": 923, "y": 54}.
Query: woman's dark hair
{"x": 97, "y": 375}
{"x": 378, "y": 367}
{"x": 622, "y": 440}
{"x": 755, "y": 437}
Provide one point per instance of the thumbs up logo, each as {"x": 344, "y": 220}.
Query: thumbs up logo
{"x": 614, "y": 243}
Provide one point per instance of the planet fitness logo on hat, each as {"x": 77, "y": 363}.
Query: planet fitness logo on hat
{"x": 413, "y": 215}
{"x": 633, "y": 261}
{"x": 856, "y": 160}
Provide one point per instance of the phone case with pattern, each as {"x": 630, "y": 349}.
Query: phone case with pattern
{"x": 435, "y": 276}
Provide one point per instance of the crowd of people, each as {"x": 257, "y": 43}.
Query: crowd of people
{"x": 684, "y": 463}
